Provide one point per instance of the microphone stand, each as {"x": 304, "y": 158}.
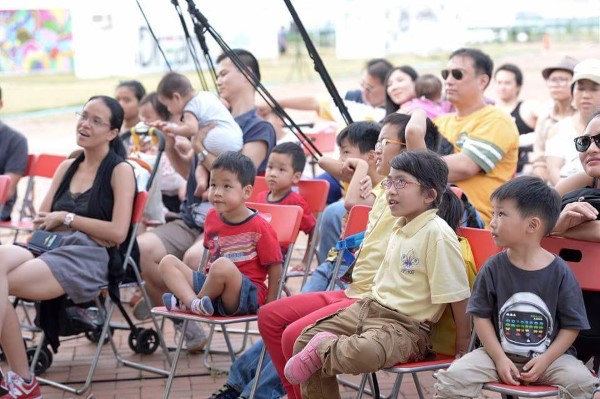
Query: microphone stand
{"x": 199, "y": 29}
{"x": 262, "y": 91}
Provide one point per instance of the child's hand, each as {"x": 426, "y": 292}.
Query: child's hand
{"x": 508, "y": 372}
{"x": 300, "y": 267}
{"x": 534, "y": 368}
{"x": 366, "y": 185}
{"x": 348, "y": 168}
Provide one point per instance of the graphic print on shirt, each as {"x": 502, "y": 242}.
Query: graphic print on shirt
{"x": 525, "y": 325}
{"x": 237, "y": 248}
{"x": 409, "y": 262}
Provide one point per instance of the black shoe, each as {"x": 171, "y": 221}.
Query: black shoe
{"x": 225, "y": 392}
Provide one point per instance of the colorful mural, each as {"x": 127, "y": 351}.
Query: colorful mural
{"x": 35, "y": 40}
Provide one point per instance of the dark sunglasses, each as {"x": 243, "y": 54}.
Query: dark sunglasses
{"x": 456, "y": 73}
{"x": 582, "y": 143}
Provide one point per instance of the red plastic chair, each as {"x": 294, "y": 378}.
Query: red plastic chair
{"x": 43, "y": 165}
{"x": 323, "y": 138}
{"x": 260, "y": 185}
{"x": 285, "y": 219}
{"x": 357, "y": 221}
{"x": 481, "y": 242}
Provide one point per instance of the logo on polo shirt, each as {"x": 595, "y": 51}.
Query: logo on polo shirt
{"x": 409, "y": 262}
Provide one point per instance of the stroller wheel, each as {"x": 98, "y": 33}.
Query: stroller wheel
{"x": 94, "y": 335}
{"x": 144, "y": 341}
{"x": 44, "y": 360}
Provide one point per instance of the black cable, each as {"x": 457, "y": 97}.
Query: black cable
{"x": 190, "y": 45}
{"x": 199, "y": 31}
{"x": 249, "y": 75}
{"x": 319, "y": 66}
{"x": 153, "y": 35}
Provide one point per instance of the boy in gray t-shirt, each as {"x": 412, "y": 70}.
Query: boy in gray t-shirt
{"x": 526, "y": 304}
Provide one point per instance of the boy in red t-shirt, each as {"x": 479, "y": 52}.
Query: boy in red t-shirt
{"x": 240, "y": 245}
{"x": 284, "y": 170}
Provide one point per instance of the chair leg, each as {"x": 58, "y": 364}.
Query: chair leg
{"x": 175, "y": 360}
{"x": 259, "y": 367}
{"x": 418, "y": 386}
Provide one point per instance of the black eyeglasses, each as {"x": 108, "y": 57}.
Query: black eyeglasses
{"x": 456, "y": 73}
{"x": 582, "y": 143}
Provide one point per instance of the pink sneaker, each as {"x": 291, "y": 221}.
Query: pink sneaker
{"x": 304, "y": 364}
{"x": 18, "y": 388}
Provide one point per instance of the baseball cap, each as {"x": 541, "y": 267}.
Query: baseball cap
{"x": 587, "y": 69}
{"x": 565, "y": 64}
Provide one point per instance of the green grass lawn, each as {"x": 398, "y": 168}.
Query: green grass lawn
{"x": 47, "y": 91}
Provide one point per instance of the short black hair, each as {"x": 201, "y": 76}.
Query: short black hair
{"x": 432, "y": 134}
{"x": 247, "y": 59}
{"x": 137, "y": 87}
{"x": 515, "y": 70}
{"x": 161, "y": 110}
{"x": 174, "y": 82}
{"x": 364, "y": 135}
{"x": 481, "y": 61}
{"x": 532, "y": 197}
{"x": 238, "y": 164}
{"x": 295, "y": 152}
{"x": 430, "y": 170}
{"x": 379, "y": 68}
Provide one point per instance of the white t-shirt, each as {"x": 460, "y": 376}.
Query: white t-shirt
{"x": 227, "y": 135}
{"x": 561, "y": 145}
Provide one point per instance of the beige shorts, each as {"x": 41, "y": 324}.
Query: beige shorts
{"x": 177, "y": 237}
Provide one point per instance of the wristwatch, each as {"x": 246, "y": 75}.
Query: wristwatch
{"x": 69, "y": 219}
{"x": 202, "y": 155}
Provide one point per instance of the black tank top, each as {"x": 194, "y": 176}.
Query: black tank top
{"x": 76, "y": 203}
{"x": 522, "y": 127}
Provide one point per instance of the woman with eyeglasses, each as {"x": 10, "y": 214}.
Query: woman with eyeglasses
{"x": 88, "y": 206}
{"x": 558, "y": 80}
{"x": 562, "y": 159}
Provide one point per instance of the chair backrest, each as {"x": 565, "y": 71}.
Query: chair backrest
{"x": 315, "y": 193}
{"x": 481, "y": 242}
{"x": 260, "y": 185}
{"x": 46, "y": 164}
{"x": 4, "y": 185}
{"x": 138, "y": 207}
{"x": 582, "y": 257}
{"x": 31, "y": 159}
{"x": 285, "y": 220}
{"x": 358, "y": 219}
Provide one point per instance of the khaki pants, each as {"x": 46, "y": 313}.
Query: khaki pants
{"x": 467, "y": 375}
{"x": 371, "y": 337}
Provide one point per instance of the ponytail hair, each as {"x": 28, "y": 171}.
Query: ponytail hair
{"x": 451, "y": 209}
{"x": 116, "y": 121}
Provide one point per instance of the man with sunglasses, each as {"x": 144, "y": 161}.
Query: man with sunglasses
{"x": 485, "y": 139}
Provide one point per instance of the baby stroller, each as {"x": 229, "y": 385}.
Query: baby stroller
{"x": 94, "y": 319}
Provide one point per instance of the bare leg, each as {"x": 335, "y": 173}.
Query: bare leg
{"x": 32, "y": 280}
{"x": 193, "y": 256}
{"x": 152, "y": 251}
{"x": 12, "y": 257}
{"x": 178, "y": 278}
{"x": 223, "y": 280}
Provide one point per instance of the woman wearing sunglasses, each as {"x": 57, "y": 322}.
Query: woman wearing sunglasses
{"x": 561, "y": 157}
{"x": 579, "y": 219}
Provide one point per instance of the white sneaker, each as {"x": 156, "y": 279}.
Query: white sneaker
{"x": 195, "y": 337}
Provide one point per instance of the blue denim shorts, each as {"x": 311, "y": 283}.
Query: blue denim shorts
{"x": 248, "y": 296}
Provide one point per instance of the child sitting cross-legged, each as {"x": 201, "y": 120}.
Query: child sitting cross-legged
{"x": 422, "y": 271}
{"x": 526, "y": 304}
{"x": 241, "y": 248}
